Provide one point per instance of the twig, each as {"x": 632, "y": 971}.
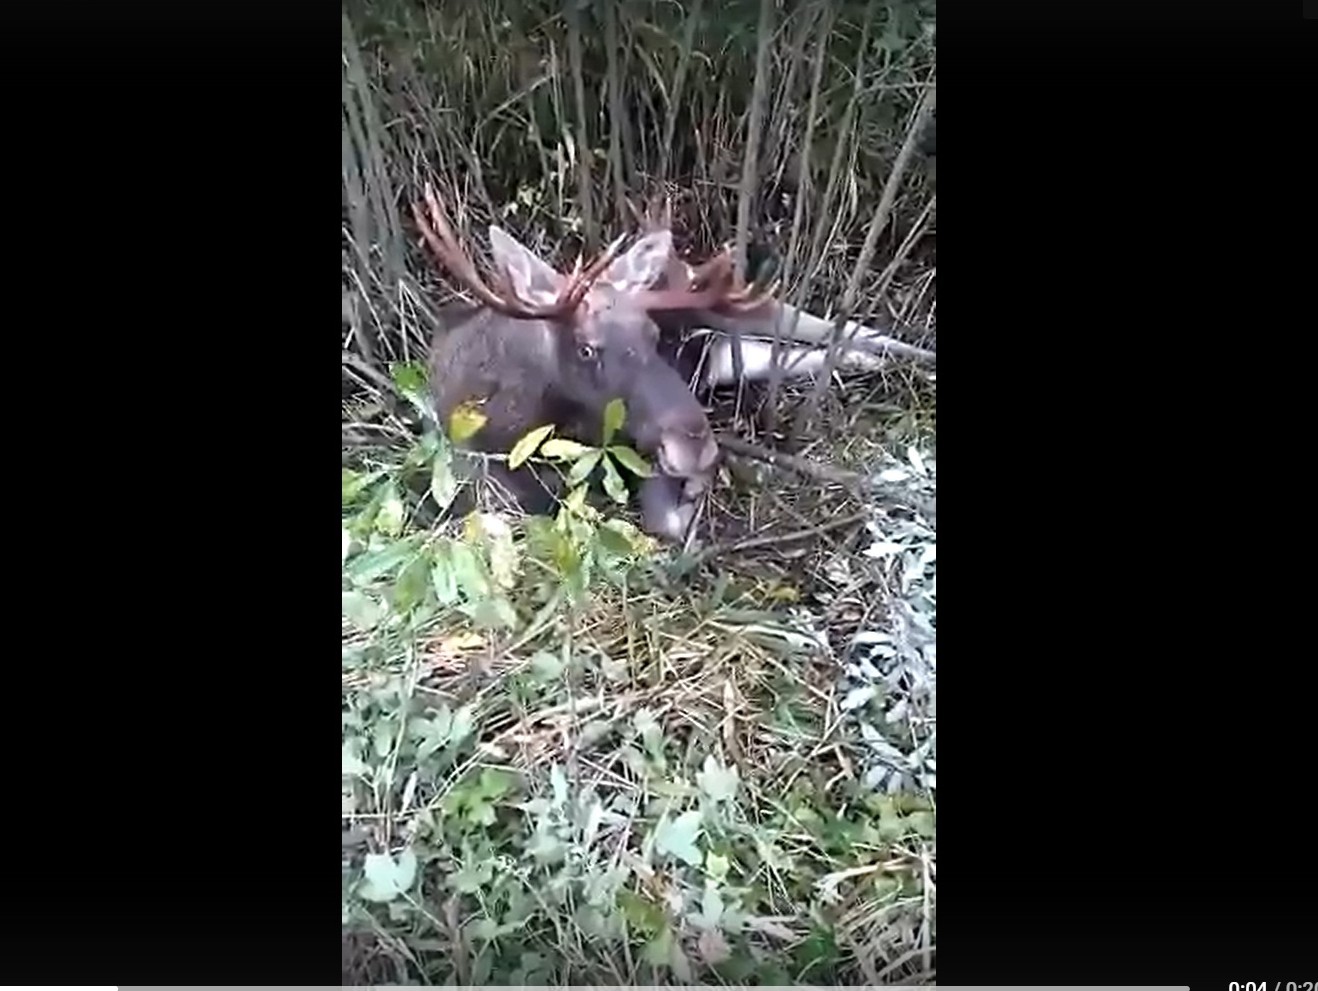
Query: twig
{"x": 675, "y": 96}
{"x": 575, "y": 58}
{"x": 366, "y": 371}
{"x": 749, "y": 174}
{"x": 802, "y": 466}
{"x": 858, "y": 485}
{"x": 878, "y": 222}
{"x": 614, "y": 83}
{"x": 771, "y": 540}
{"x": 803, "y": 180}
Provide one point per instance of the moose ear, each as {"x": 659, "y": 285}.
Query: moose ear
{"x": 532, "y": 279}
{"x": 642, "y": 264}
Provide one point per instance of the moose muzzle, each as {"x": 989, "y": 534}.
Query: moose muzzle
{"x": 689, "y": 453}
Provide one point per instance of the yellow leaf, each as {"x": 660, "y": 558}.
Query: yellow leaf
{"x": 525, "y": 447}
{"x": 561, "y": 447}
{"x": 465, "y": 421}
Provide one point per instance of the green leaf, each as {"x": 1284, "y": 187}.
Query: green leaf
{"x": 443, "y": 483}
{"x": 817, "y": 954}
{"x": 659, "y": 949}
{"x": 583, "y": 467}
{"x": 641, "y": 914}
{"x": 354, "y": 484}
{"x": 716, "y": 781}
{"x": 471, "y": 878}
{"x": 353, "y": 765}
{"x": 362, "y": 524}
{"x": 347, "y": 543}
{"x": 525, "y": 447}
{"x": 711, "y": 906}
{"x": 575, "y": 502}
{"x": 615, "y": 415}
{"x": 371, "y": 565}
{"x": 613, "y": 483}
{"x": 677, "y": 837}
{"x": 493, "y": 613}
{"x": 630, "y": 460}
{"x": 678, "y": 962}
{"x": 545, "y": 847}
{"x": 410, "y": 380}
{"x": 410, "y": 377}
{"x": 444, "y": 577}
{"x": 389, "y": 521}
{"x": 546, "y": 666}
{"x": 468, "y": 571}
{"x": 497, "y": 536}
{"x": 464, "y": 721}
{"x": 615, "y": 541}
{"x": 411, "y": 586}
{"x": 432, "y": 734}
{"x": 717, "y": 866}
{"x": 465, "y": 421}
{"x": 638, "y": 541}
{"x": 443, "y": 729}
{"x": 386, "y": 878}
{"x": 361, "y": 610}
{"x": 922, "y": 823}
{"x": 494, "y": 783}
{"x": 561, "y": 449}
{"x": 424, "y": 450}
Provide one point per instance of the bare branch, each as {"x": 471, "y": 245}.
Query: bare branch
{"x": 877, "y": 223}
{"x": 614, "y": 83}
{"x": 675, "y": 94}
{"x": 798, "y": 212}
{"x": 751, "y": 159}
{"x": 858, "y": 485}
{"x": 583, "y": 146}
{"x": 771, "y": 540}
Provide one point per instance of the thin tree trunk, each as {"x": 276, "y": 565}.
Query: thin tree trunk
{"x": 877, "y": 224}
{"x": 750, "y": 162}
{"x": 583, "y": 145}
{"x": 675, "y": 91}
{"x": 798, "y": 213}
{"x": 616, "y": 123}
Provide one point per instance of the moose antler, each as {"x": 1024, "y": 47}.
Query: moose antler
{"x": 438, "y": 234}
{"x": 709, "y": 286}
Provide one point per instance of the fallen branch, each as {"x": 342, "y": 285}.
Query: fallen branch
{"x": 879, "y": 221}
{"x": 802, "y": 466}
{"x": 858, "y": 485}
{"x": 769, "y": 540}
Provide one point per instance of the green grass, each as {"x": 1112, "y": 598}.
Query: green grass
{"x": 561, "y": 766}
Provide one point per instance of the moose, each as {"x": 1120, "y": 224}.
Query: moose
{"x": 542, "y": 346}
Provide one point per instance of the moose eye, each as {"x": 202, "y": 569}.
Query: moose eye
{"x": 586, "y": 352}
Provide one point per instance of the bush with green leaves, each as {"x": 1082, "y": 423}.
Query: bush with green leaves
{"x": 536, "y": 785}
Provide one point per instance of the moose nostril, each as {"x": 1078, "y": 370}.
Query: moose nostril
{"x": 685, "y": 454}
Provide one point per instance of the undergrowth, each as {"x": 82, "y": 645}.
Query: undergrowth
{"x": 561, "y": 766}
